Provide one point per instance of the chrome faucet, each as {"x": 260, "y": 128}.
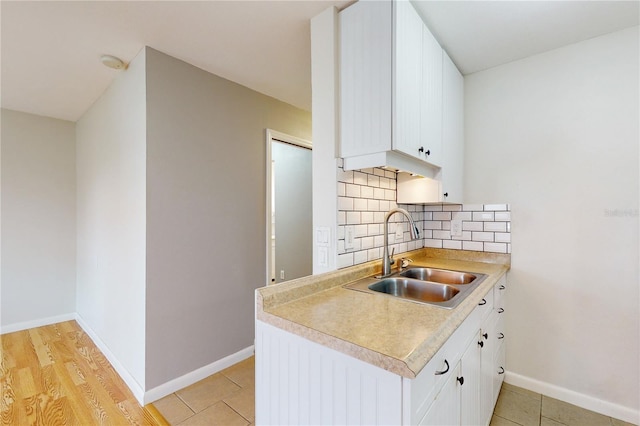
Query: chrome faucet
{"x": 387, "y": 260}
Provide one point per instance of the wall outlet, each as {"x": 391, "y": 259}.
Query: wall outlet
{"x": 456, "y": 228}
{"x": 349, "y": 232}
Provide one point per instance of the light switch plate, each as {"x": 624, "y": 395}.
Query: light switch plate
{"x": 323, "y": 256}
{"x": 323, "y": 236}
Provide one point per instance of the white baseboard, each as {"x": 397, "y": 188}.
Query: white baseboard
{"x": 196, "y": 375}
{"x": 19, "y": 326}
{"x": 585, "y": 401}
{"x": 132, "y": 384}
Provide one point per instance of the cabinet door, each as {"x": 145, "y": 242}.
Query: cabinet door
{"x": 365, "y": 78}
{"x": 445, "y": 409}
{"x": 431, "y": 102}
{"x": 452, "y": 132}
{"x": 498, "y": 372}
{"x": 489, "y": 338}
{"x": 470, "y": 409}
{"x": 407, "y": 78}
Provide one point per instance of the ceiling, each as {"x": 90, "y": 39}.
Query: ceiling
{"x": 483, "y": 34}
{"x": 50, "y": 51}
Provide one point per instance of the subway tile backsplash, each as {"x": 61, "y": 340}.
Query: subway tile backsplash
{"x": 364, "y": 197}
{"x": 484, "y": 227}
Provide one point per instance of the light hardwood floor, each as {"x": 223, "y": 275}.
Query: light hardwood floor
{"x": 55, "y": 375}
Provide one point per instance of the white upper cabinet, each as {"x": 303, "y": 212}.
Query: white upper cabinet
{"x": 431, "y": 100}
{"x": 390, "y": 88}
{"x": 406, "y": 135}
{"x": 447, "y": 185}
{"x": 365, "y": 78}
{"x": 452, "y": 132}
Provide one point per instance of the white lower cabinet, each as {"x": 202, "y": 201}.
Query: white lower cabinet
{"x": 445, "y": 408}
{"x": 488, "y": 342}
{"x": 467, "y": 396}
{"x": 470, "y": 383}
{"x": 499, "y": 354}
{"x": 302, "y": 382}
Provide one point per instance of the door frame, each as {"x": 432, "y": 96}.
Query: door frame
{"x": 273, "y": 135}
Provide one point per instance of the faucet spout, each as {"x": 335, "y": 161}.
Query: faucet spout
{"x": 387, "y": 261}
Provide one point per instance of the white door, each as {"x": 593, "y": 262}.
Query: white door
{"x": 289, "y": 239}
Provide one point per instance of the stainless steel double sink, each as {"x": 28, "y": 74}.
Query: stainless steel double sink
{"x": 438, "y": 287}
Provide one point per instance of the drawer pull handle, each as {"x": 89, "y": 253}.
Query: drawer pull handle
{"x": 501, "y": 371}
{"x": 501, "y": 287}
{"x": 500, "y": 336}
{"x": 481, "y": 344}
{"x": 485, "y": 335}
{"x": 500, "y": 310}
{"x": 461, "y": 380}
{"x": 483, "y": 302}
{"x": 440, "y": 373}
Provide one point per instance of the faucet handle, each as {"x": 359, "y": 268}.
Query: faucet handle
{"x": 404, "y": 262}
{"x": 391, "y": 261}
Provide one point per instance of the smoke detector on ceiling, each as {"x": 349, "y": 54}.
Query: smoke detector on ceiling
{"x": 113, "y": 62}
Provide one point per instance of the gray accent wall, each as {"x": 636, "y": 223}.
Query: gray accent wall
{"x": 38, "y": 219}
{"x": 206, "y": 213}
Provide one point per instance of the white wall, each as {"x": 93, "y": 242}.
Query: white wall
{"x": 38, "y": 220}
{"x": 206, "y": 210}
{"x": 324, "y": 88}
{"x": 111, "y": 214}
{"x": 556, "y": 135}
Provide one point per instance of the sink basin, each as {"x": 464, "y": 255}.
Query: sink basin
{"x": 437, "y": 287}
{"x": 439, "y": 275}
{"x": 421, "y": 291}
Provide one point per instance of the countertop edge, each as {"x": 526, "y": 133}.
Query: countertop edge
{"x": 361, "y": 353}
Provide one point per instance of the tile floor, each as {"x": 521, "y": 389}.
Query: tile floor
{"x": 517, "y": 406}
{"x": 227, "y": 398}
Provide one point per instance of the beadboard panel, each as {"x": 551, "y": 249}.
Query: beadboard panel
{"x": 299, "y": 382}
{"x": 431, "y": 102}
{"x": 407, "y": 77}
{"x": 368, "y": 97}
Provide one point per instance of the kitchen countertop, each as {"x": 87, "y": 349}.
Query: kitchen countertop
{"x": 397, "y": 335}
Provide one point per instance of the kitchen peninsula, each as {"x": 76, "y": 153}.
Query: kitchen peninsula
{"x": 328, "y": 354}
